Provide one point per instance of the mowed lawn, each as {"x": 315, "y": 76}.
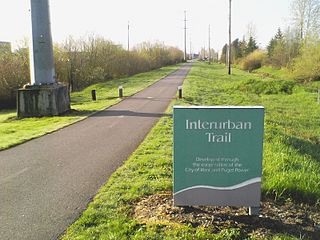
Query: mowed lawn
{"x": 14, "y": 131}
{"x": 291, "y": 164}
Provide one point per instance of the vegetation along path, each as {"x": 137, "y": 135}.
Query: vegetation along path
{"x": 46, "y": 183}
{"x": 136, "y": 202}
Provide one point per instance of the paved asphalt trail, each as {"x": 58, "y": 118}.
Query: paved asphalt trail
{"x": 46, "y": 183}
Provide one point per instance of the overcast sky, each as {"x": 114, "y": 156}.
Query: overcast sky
{"x": 150, "y": 20}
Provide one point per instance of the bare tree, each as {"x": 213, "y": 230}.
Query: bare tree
{"x": 251, "y": 31}
{"x": 306, "y": 16}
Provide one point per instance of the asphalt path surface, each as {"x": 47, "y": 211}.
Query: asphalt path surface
{"x": 46, "y": 183}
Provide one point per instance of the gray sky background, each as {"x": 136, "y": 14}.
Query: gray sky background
{"x": 150, "y": 20}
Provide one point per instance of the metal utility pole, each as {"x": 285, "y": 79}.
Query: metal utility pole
{"x": 185, "y": 35}
{"x": 128, "y": 36}
{"x": 209, "y": 57}
{"x": 44, "y": 96}
{"x": 41, "y": 50}
{"x": 191, "y": 55}
{"x": 229, "y": 48}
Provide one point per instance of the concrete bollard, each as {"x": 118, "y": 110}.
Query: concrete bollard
{"x": 93, "y": 95}
{"x": 120, "y": 90}
{"x": 180, "y": 91}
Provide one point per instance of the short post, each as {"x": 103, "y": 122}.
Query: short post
{"x": 254, "y": 211}
{"x": 180, "y": 92}
{"x": 93, "y": 94}
{"x": 120, "y": 90}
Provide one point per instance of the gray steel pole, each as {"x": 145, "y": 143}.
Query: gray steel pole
{"x": 185, "y": 36}
{"x": 229, "y": 53}
{"x": 209, "y": 45}
{"x": 128, "y": 36}
{"x": 191, "y": 55}
{"x": 41, "y": 50}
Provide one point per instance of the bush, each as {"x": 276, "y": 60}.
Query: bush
{"x": 253, "y": 61}
{"x": 14, "y": 73}
{"x": 306, "y": 67}
{"x": 81, "y": 63}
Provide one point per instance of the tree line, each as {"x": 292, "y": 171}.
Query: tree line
{"x": 82, "y": 62}
{"x": 297, "y": 48}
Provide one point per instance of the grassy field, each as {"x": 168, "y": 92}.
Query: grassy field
{"x": 267, "y": 71}
{"x": 291, "y": 161}
{"x": 14, "y": 131}
{"x": 292, "y": 126}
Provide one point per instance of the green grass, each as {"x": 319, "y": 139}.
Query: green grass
{"x": 292, "y": 127}
{"x": 290, "y": 170}
{"x": 268, "y": 71}
{"x": 147, "y": 171}
{"x": 14, "y": 131}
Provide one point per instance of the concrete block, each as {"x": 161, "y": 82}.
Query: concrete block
{"x": 43, "y": 100}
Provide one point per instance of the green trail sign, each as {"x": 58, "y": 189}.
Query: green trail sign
{"x": 218, "y": 156}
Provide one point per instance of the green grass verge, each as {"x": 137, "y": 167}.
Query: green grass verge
{"x": 268, "y": 71}
{"x": 14, "y": 131}
{"x": 291, "y": 160}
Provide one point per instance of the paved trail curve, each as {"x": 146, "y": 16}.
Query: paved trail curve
{"x": 46, "y": 183}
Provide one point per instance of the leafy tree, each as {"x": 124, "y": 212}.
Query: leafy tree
{"x": 282, "y": 49}
{"x": 279, "y": 36}
{"x": 251, "y": 46}
{"x": 236, "y": 50}
{"x": 306, "y": 67}
{"x": 243, "y": 46}
{"x": 271, "y": 46}
{"x": 223, "y": 57}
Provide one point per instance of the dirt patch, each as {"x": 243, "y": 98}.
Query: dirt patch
{"x": 300, "y": 220}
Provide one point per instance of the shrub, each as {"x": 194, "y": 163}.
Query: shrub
{"x": 14, "y": 73}
{"x": 306, "y": 67}
{"x": 253, "y": 61}
{"x": 83, "y": 62}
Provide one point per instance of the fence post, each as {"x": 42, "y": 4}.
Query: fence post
{"x": 180, "y": 91}
{"x": 93, "y": 95}
{"x": 120, "y": 90}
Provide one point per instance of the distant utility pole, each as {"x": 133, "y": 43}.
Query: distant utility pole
{"x": 128, "y": 36}
{"x": 209, "y": 57}
{"x": 191, "y": 55}
{"x": 229, "y": 48}
{"x": 185, "y": 35}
